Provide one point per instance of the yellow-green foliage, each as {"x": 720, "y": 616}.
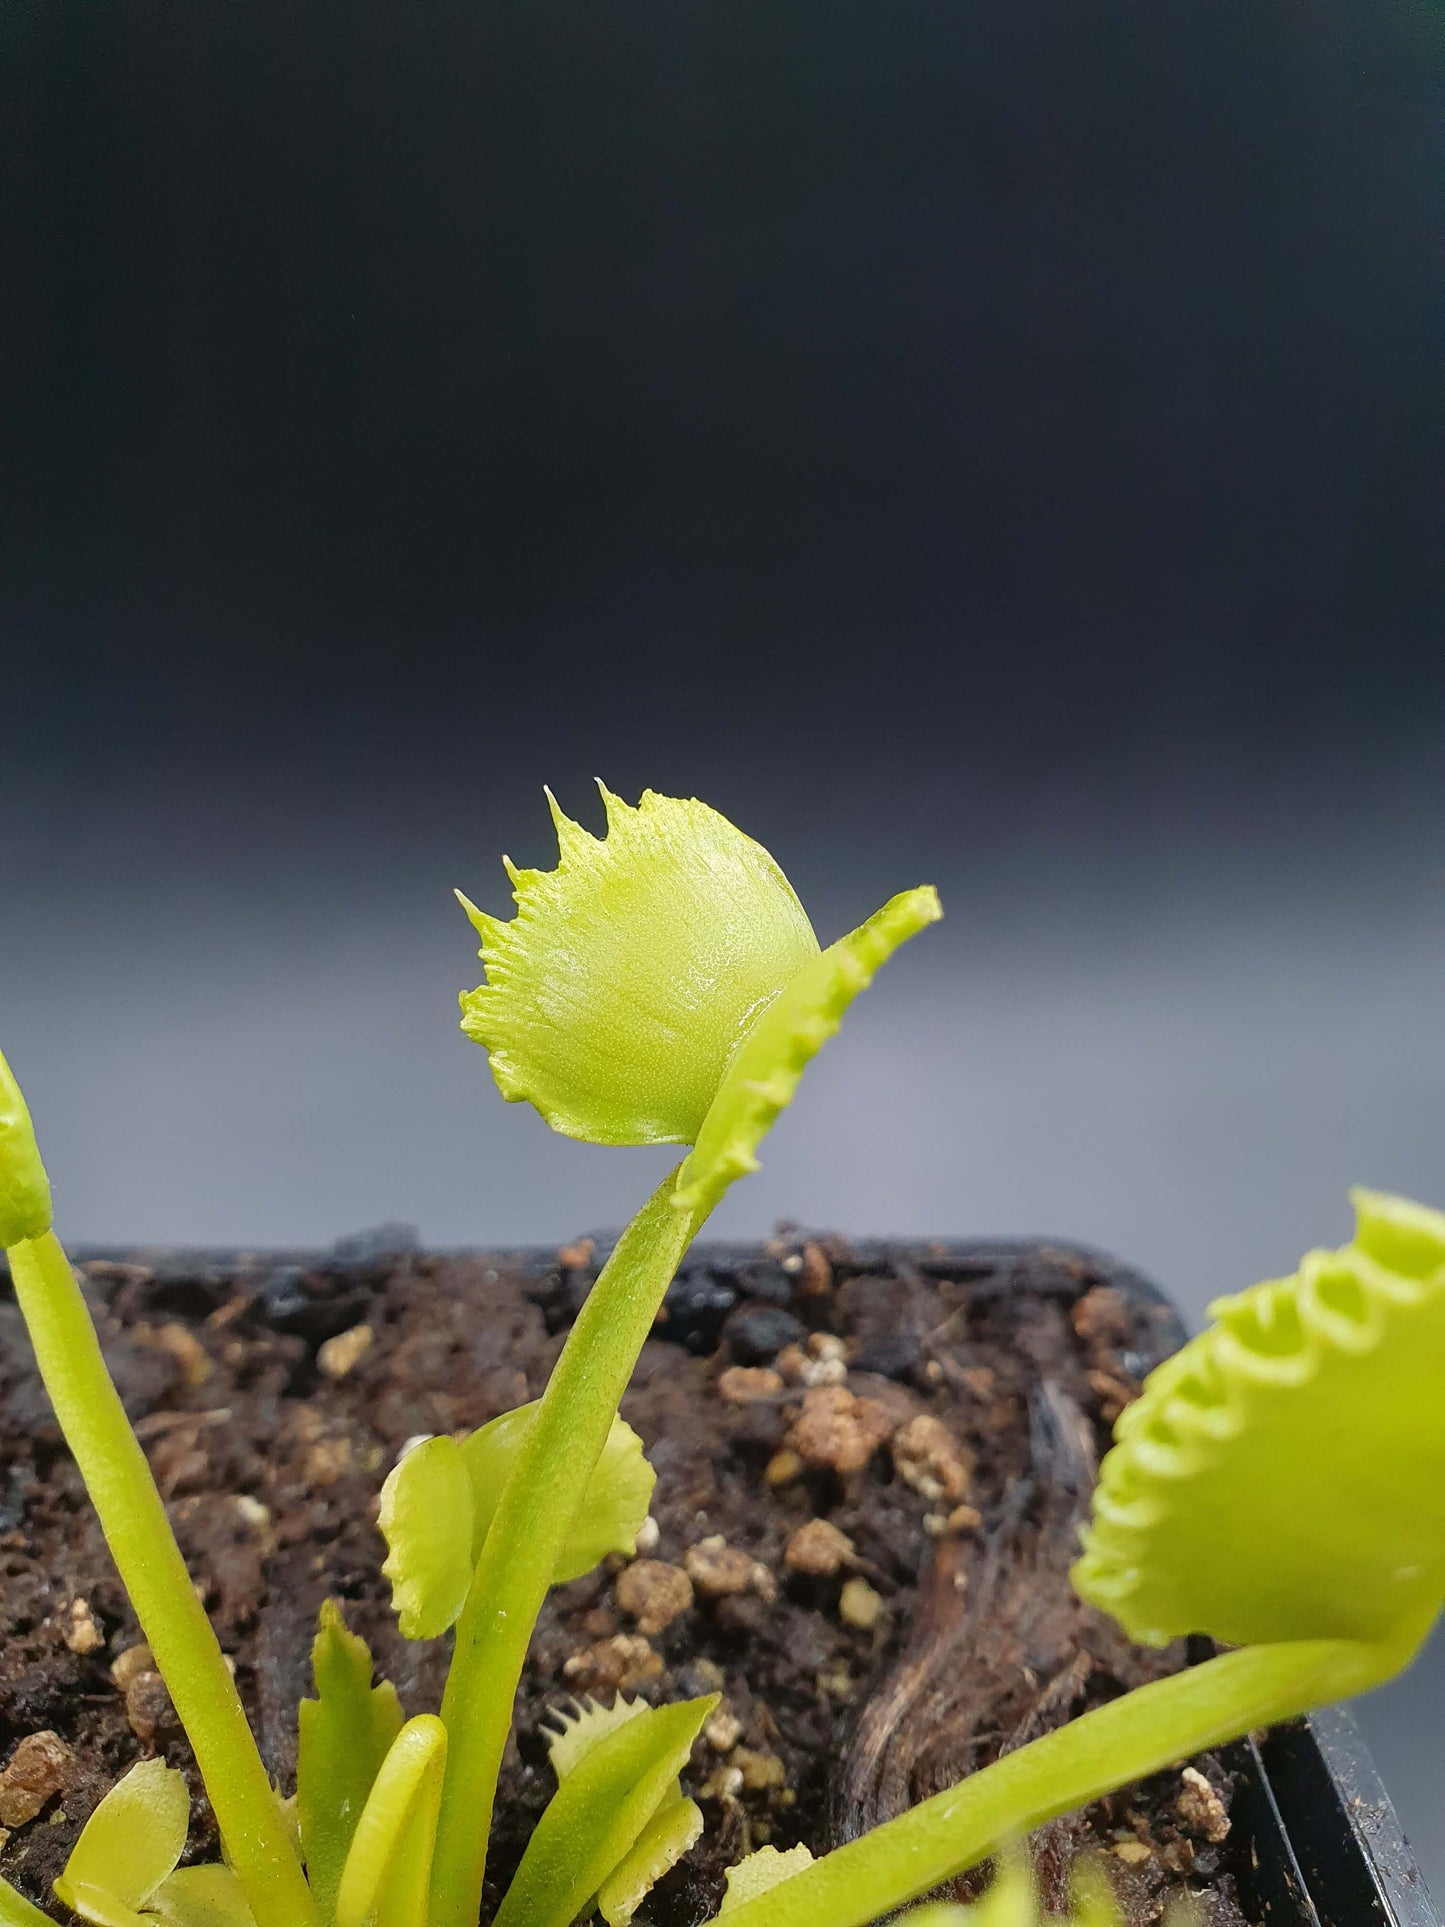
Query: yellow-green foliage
{"x": 619, "y": 991}
{"x": 1283, "y": 1476}
{"x": 122, "y": 1871}
{"x": 345, "y": 1734}
{"x": 617, "y": 1771}
{"x": 663, "y": 986}
{"x": 438, "y": 1503}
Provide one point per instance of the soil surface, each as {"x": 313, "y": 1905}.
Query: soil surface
{"x": 871, "y": 1464}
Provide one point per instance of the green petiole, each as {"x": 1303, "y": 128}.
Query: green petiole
{"x": 149, "y": 1561}
{"x": 1145, "y": 1731}
{"x": 531, "y": 1523}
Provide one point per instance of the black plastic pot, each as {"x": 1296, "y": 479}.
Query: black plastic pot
{"x": 1324, "y": 1847}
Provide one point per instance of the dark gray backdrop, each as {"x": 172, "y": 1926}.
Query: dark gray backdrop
{"x": 995, "y": 445}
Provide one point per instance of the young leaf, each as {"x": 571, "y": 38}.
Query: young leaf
{"x": 616, "y": 996}
{"x": 613, "y": 1506}
{"x": 345, "y": 1734}
{"x": 676, "y": 1826}
{"x": 1283, "y": 1476}
{"x": 200, "y": 1897}
{"x": 384, "y": 1882}
{"x": 426, "y": 1517}
{"x": 437, "y": 1506}
{"x": 760, "y": 1872}
{"x": 128, "y": 1845}
{"x": 599, "y": 1813}
{"x": 24, "y": 1187}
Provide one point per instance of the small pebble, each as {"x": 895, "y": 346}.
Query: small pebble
{"x": 342, "y": 1354}
{"x": 783, "y": 1467}
{"x": 129, "y": 1664}
{"x": 1200, "y": 1807}
{"x": 256, "y": 1515}
{"x": 653, "y": 1593}
{"x": 817, "y": 1273}
{"x": 147, "y": 1705}
{"x": 699, "y": 1676}
{"x": 576, "y": 1257}
{"x": 38, "y": 1770}
{"x": 792, "y": 1361}
{"x": 716, "y": 1568}
{"x": 620, "y": 1664}
{"x": 723, "y": 1731}
{"x": 859, "y": 1605}
{"x": 963, "y": 1518}
{"x": 818, "y": 1549}
{"x": 834, "y": 1682}
{"x": 756, "y": 1333}
{"x": 837, "y": 1430}
{"x": 648, "y": 1535}
{"x": 748, "y": 1384}
{"x": 759, "y": 1770}
{"x": 82, "y": 1635}
{"x": 930, "y": 1459}
{"x": 725, "y": 1784}
{"x": 1133, "y": 1853}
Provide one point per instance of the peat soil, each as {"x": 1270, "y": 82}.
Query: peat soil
{"x": 871, "y": 1465}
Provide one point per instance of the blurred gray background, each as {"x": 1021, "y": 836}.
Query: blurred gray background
{"x": 998, "y": 447}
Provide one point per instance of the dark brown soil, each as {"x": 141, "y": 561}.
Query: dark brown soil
{"x": 1015, "y": 1360}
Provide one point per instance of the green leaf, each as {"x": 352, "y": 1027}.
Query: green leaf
{"x": 760, "y": 1872}
{"x": 616, "y": 996}
{"x": 438, "y": 1503}
{"x": 784, "y": 1039}
{"x": 613, "y": 1506}
{"x": 1283, "y": 1476}
{"x": 208, "y": 1896}
{"x": 345, "y": 1734}
{"x": 387, "y": 1871}
{"x": 24, "y": 1187}
{"x": 128, "y": 1845}
{"x": 676, "y": 1826}
{"x": 426, "y": 1516}
{"x": 599, "y": 1813}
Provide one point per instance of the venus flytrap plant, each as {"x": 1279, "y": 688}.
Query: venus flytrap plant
{"x": 1280, "y": 1484}
{"x": 661, "y": 986}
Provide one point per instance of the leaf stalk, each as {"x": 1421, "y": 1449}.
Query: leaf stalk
{"x": 528, "y": 1530}
{"x": 138, "y": 1532}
